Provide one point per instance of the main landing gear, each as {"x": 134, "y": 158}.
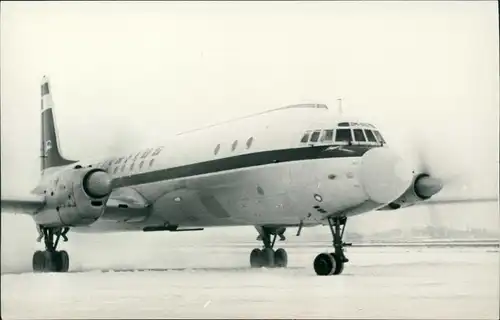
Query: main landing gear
{"x": 51, "y": 260}
{"x": 327, "y": 264}
{"x": 267, "y": 257}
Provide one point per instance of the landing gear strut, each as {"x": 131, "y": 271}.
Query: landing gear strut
{"x": 267, "y": 257}
{"x": 51, "y": 260}
{"x": 327, "y": 264}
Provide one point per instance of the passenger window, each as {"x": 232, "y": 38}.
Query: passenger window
{"x": 379, "y": 137}
{"x": 146, "y": 153}
{"x": 132, "y": 166}
{"x": 217, "y": 149}
{"x": 137, "y": 155}
{"x": 343, "y": 135}
{"x": 151, "y": 162}
{"x": 119, "y": 160}
{"x": 110, "y": 163}
{"x": 370, "y": 136}
{"x": 123, "y": 168}
{"x": 249, "y": 142}
{"x": 358, "y": 135}
{"x": 305, "y": 137}
{"x": 141, "y": 164}
{"x": 116, "y": 169}
{"x": 315, "y": 136}
{"x": 157, "y": 151}
{"x": 235, "y": 143}
{"x": 327, "y": 135}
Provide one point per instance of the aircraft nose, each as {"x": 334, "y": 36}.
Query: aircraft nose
{"x": 384, "y": 175}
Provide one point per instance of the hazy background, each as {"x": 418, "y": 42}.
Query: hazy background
{"x": 125, "y": 74}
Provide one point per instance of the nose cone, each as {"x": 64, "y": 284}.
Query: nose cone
{"x": 384, "y": 175}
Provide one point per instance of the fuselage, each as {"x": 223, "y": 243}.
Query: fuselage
{"x": 286, "y": 167}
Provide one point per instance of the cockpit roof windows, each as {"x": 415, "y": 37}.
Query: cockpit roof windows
{"x": 355, "y": 124}
{"x": 343, "y": 135}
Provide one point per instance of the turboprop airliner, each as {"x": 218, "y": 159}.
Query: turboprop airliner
{"x": 294, "y": 166}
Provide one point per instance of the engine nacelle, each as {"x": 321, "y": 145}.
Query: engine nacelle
{"x": 75, "y": 197}
{"x": 422, "y": 188}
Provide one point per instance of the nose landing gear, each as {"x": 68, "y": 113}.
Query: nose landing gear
{"x": 326, "y": 264}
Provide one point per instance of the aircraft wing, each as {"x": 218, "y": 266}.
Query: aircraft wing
{"x": 457, "y": 201}
{"x": 22, "y": 206}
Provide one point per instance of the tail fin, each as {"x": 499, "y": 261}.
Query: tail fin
{"x": 50, "y": 155}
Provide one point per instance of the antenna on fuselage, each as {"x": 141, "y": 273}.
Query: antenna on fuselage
{"x": 340, "y": 106}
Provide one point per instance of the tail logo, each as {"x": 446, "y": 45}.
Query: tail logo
{"x": 48, "y": 146}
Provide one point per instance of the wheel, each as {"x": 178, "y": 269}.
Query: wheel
{"x": 38, "y": 261}
{"x": 49, "y": 261}
{"x": 324, "y": 264}
{"x": 255, "y": 258}
{"x": 267, "y": 256}
{"x": 280, "y": 258}
{"x": 339, "y": 264}
{"x": 61, "y": 261}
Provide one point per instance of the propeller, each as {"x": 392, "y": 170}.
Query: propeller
{"x": 434, "y": 170}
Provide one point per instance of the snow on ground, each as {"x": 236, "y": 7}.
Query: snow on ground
{"x": 198, "y": 281}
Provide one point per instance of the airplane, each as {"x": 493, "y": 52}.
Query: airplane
{"x": 293, "y": 166}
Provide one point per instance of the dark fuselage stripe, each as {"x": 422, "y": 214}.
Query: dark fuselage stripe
{"x": 241, "y": 162}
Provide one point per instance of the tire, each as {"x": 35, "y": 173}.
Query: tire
{"x": 281, "y": 258}
{"x": 339, "y": 264}
{"x": 50, "y": 264}
{"x": 324, "y": 264}
{"x": 61, "y": 261}
{"x": 267, "y": 257}
{"x": 256, "y": 258}
{"x": 38, "y": 261}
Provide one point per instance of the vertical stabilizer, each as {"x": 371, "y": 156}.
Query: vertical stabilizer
{"x": 50, "y": 155}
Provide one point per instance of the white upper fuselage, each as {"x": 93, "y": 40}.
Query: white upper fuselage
{"x": 267, "y": 169}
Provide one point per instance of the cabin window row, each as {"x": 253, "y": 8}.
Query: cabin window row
{"x": 234, "y": 145}
{"x": 121, "y": 163}
{"x": 343, "y": 135}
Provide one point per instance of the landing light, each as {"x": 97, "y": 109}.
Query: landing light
{"x": 177, "y": 199}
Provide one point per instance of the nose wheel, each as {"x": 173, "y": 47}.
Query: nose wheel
{"x": 267, "y": 256}
{"x": 326, "y": 264}
{"x": 51, "y": 260}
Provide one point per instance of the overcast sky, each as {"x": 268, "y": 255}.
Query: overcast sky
{"x": 126, "y": 73}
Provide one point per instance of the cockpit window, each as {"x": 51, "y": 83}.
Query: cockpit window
{"x": 370, "y": 136}
{"x": 305, "y": 137}
{"x": 315, "y": 136}
{"x": 343, "y": 135}
{"x": 343, "y": 124}
{"x": 327, "y": 136}
{"x": 379, "y": 136}
{"x": 358, "y": 135}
